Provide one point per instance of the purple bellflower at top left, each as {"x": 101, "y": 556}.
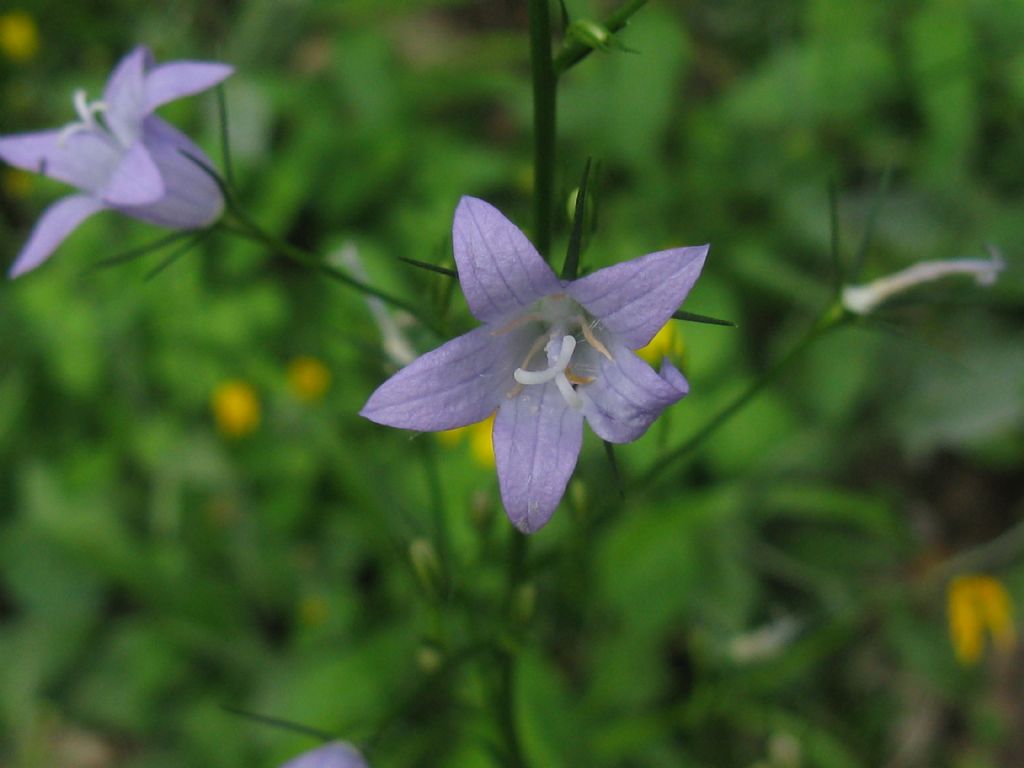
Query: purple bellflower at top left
{"x": 337, "y": 754}
{"x": 551, "y": 353}
{"x": 121, "y": 156}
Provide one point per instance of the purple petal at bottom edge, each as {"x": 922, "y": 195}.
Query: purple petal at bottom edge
{"x": 537, "y": 439}
{"x": 627, "y": 395}
{"x": 337, "y": 754}
{"x": 57, "y": 222}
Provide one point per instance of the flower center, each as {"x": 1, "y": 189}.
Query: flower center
{"x": 555, "y": 372}
{"x": 86, "y": 112}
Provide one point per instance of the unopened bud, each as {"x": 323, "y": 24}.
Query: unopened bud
{"x": 481, "y": 510}
{"x": 428, "y": 658}
{"x": 864, "y": 299}
{"x": 591, "y": 34}
{"x": 524, "y": 603}
{"x": 426, "y": 565}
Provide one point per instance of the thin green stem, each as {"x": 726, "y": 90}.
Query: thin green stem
{"x": 573, "y": 51}
{"x": 437, "y": 507}
{"x": 225, "y": 140}
{"x": 245, "y": 227}
{"x": 544, "y": 107}
{"x": 998, "y": 552}
{"x": 828, "y": 319}
{"x": 506, "y": 698}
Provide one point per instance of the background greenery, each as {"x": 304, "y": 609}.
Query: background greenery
{"x": 778, "y": 599}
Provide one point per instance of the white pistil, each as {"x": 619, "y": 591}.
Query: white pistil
{"x": 86, "y": 116}
{"x": 555, "y": 372}
{"x": 561, "y": 363}
{"x": 592, "y": 340}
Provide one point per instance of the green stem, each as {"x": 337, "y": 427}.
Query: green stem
{"x": 245, "y": 227}
{"x": 437, "y": 511}
{"x": 995, "y": 553}
{"x": 544, "y": 100}
{"x": 574, "y": 51}
{"x": 507, "y": 710}
{"x": 829, "y": 318}
{"x": 506, "y": 702}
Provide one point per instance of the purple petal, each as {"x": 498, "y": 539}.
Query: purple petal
{"x": 634, "y": 299}
{"x": 135, "y": 181}
{"x": 177, "y": 79}
{"x": 337, "y": 754}
{"x": 459, "y": 383}
{"x": 499, "y": 269}
{"x": 125, "y": 97}
{"x": 191, "y": 198}
{"x": 84, "y": 159}
{"x": 537, "y": 439}
{"x": 57, "y": 222}
{"x": 627, "y": 395}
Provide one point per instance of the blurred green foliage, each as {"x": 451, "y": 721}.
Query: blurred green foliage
{"x": 776, "y": 600}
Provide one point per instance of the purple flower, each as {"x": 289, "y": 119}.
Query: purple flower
{"x": 121, "y": 156}
{"x": 337, "y": 754}
{"x": 550, "y": 354}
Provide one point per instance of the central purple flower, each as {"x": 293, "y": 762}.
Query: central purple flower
{"x": 550, "y": 354}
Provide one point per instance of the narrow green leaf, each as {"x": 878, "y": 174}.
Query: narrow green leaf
{"x": 430, "y": 267}
{"x": 143, "y": 250}
{"x": 572, "y": 254}
{"x": 277, "y": 722}
{"x": 837, "y": 262}
{"x": 695, "y": 318}
{"x": 613, "y": 463}
{"x": 225, "y": 141}
{"x": 174, "y": 255}
{"x": 869, "y": 225}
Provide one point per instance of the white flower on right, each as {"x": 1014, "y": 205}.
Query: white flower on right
{"x": 864, "y": 299}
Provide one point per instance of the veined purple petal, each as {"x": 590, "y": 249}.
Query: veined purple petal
{"x": 84, "y": 159}
{"x": 499, "y": 269}
{"x": 337, "y": 754}
{"x": 634, "y": 299}
{"x": 125, "y": 97}
{"x": 135, "y": 181}
{"x": 56, "y": 223}
{"x": 627, "y": 395}
{"x": 459, "y": 383}
{"x": 537, "y": 439}
{"x": 178, "y": 79}
{"x": 191, "y": 199}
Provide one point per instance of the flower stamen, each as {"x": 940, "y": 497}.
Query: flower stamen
{"x": 519, "y": 322}
{"x": 592, "y": 340}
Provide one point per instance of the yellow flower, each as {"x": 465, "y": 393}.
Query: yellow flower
{"x": 668, "y": 342}
{"x": 975, "y": 604}
{"x": 19, "y": 37}
{"x": 479, "y": 435}
{"x": 236, "y": 409}
{"x": 308, "y": 378}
